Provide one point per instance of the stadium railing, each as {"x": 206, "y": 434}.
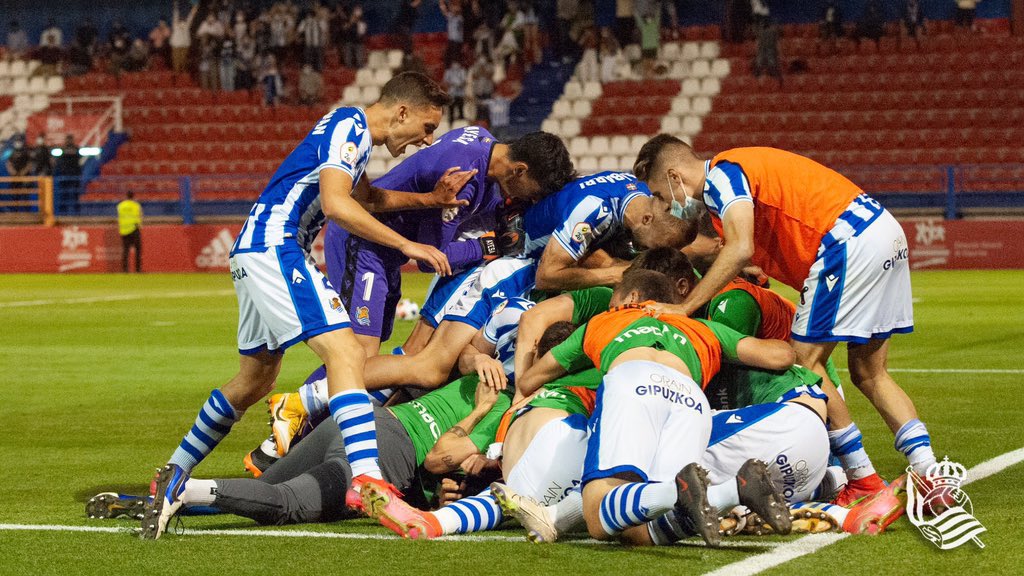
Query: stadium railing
{"x": 26, "y": 200}
{"x": 950, "y": 191}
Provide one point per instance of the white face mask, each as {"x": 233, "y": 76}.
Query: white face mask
{"x": 685, "y": 211}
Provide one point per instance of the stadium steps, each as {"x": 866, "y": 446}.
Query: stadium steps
{"x": 542, "y": 86}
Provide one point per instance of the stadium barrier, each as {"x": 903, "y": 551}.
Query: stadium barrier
{"x": 932, "y": 243}
{"x": 26, "y": 200}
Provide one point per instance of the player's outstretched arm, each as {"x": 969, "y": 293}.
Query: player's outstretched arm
{"x": 455, "y": 445}
{"x": 339, "y": 205}
{"x": 765, "y": 354}
{"x": 534, "y": 322}
{"x": 558, "y": 270}
{"x": 444, "y": 195}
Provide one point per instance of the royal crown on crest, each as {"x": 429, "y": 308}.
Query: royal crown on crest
{"x": 946, "y": 473}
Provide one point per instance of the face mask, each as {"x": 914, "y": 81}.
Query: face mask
{"x": 682, "y": 211}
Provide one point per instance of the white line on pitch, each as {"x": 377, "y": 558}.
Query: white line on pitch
{"x": 814, "y": 542}
{"x": 115, "y": 298}
{"x": 954, "y": 370}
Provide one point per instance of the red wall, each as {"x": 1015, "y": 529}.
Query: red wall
{"x": 934, "y": 244}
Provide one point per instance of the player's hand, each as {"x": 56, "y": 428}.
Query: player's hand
{"x": 485, "y": 396}
{"x": 449, "y": 491}
{"x": 478, "y": 464}
{"x": 490, "y": 246}
{"x": 754, "y": 275}
{"x": 657, "y": 309}
{"x": 444, "y": 193}
{"x": 430, "y": 255}
{"x": 491, "y": 372}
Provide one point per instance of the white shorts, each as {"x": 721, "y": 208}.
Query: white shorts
{"x": 444, "y": 292}
{"x": 552, "y": 464}
{"x": 282, "y": 299}
{"x": 649, "y": 420}
{"x": 504, "y": 278}
{"x": 858, "y": 289}
{"x": 789, "y": 437}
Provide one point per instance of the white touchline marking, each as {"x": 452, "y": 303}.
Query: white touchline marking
{"x": 955, "y": 370}
{"x": 115, "y": 298}
{"x": 330, "y": 535}
{"x": 812, "y": 543}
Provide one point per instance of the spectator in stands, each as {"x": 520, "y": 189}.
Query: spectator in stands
{"x": 86, "y": 37}
{"x": 311, "y": 86}
{"x": 483, "y": 41}
{"x": 589, "y": 70}
{"x": 649, "y": 24}
{"x": 965, "y": 10}
{"x": 532, "y": 51}
{"x": 119, "y": 43}
{"x": 270, "y": 81}
{"x": 455, "y": 85}
{"x": 17, "y": 41}
{"x": 68, "y": 170}
{"x": 228, "y": 64}
{"x": 181, "y": 37}
{"x": 137, "y": 58}
{"x": 240, "y": 27}
{"x": 872, "y": 23}
{"x": 452, "y": 11}
{"x": 210, "y": 28}
{"x": 611, "y": 56}
{"x": 19, "y": 163}
{"x": 245, "y": 64}
{"x": 498, "y": 109}
{"x": 913, "y": 19}
{"x": 158, "y": 41}
{"x": 209, "y": 58}
{"x": 831, "y": 27}
{"x": 766, "y": 58}
{"x": 129, "y": 225}
{"x": 624, "y": 22}
{"x": 565, "y": 13}
{"x": 78, "y": 61}
{"x": 760, "y": 14}
{"x": 41, "y": 158}
{"x": 483, "y": 87}
{"x": 405, "y": 22}
{"x": 313, "y": 31}
{"x": 282, "y": 27}
{"x": 354, "y": 35}
{"x": 53, "y": 36}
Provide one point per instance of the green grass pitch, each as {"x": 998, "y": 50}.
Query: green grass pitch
{"x": 102, "y": 375}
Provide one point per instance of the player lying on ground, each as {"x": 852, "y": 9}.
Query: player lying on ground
{"x": 814, "y": 230}
{"x": 283, "y": 299}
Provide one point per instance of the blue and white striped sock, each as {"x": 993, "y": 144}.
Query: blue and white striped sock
{"x": 915, "y": 443}
{"x": 635, "y": 504}
{"x": 473, "y": 514}
{"x": 313, "y": 394}
{"x": 667, "y": 529}
{"x": 353, "y": 413}
{"x": 847, "y": 443}
{"x": 213, "y": 423}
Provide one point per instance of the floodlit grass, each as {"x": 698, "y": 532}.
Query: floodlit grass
{"x": 103, "y": 374}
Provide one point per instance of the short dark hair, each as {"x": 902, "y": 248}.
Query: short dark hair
{"x": 650, "y": 154}
{"x": 649, "y": 285}
{"x": 554, "y": 335}
{"x": 668, "y": 261}
{"x": 414, "y": 88}
{"x": 547, "y": 157}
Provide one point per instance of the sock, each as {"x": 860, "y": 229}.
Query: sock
{"x": 473, "y": 514}
{"x": 847, "y": 444}
{"x": 380, "y": 397}
{"x": 915, "y": 443}
{"x": 725, "y": 496}
{"x": 199, "y": 492}
{"x": 353, "y": 413}
{"x": 213, "y": 423}
{"x": 667, "y": 529}
{"x": 837, "y": 512}
{"x": 635, "y": 504}
{"x": 567, "y": 514}
{"x": 313, "y": 393}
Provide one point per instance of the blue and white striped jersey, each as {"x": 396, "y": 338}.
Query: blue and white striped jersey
{"x": 581, "y": 213}
{"x": 502, "y": 328}
{"x": 289, "y": 207}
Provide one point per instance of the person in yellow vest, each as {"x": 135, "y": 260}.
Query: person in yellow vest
{"x": 129, "y": 223}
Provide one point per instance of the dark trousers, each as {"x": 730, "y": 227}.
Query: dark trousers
{"x": 128, "y": 241}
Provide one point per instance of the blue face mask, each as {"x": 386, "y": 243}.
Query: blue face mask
{"x": 682, "y": 211}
